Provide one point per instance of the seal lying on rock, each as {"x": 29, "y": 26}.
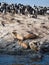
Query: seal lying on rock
{"x": 33, "y": 45}
{"x": 18, "y": 36}
{"x": 28, "y": 36}
{"x": 31, "y": 36}
{"x": 23, "y": 44}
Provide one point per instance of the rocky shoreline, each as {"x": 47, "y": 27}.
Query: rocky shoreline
{"x": 21, "y": 34}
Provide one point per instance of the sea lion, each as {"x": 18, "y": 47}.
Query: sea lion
{"x": 18, "y": 36}
{"x": 23, "y": 44}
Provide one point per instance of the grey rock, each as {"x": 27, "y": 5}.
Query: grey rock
{"x": 44, "y": 48}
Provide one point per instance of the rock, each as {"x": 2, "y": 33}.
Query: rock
{"x": 11, "y": 47}
{"x": 48, "y": 18}
{"x": 23, "y": 44}
{"x": 18, "y": 36}
{"x": 44, "y": 48}
{"x": 3, "y": 24}
{"x": 33, "y": 45}
{"x": 34, "y": 16}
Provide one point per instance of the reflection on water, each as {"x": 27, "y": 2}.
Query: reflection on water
{"x": 22, "y": 60}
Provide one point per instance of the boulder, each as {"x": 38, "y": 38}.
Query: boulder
{"x": 44, "y": 48}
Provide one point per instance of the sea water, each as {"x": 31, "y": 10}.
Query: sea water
{"x": 22, "y": 60}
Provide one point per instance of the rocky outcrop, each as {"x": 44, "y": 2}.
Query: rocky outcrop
{"x": 19, "y": 34}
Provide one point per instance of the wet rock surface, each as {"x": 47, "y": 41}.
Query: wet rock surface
{"x": 45, "y": 47}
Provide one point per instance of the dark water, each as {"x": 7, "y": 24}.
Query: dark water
{"x": 22, "y": 60}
